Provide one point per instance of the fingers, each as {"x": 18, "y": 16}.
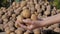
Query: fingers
{"x": 23, "y": 26}
{"x": 27, "y": 21}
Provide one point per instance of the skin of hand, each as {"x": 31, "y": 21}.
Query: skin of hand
{"x": 32, "y": 24}
{"x": 45, "y": 22}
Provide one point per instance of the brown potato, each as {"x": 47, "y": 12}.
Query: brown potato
{"x": 11, "y": 23}
{"x": 13, "y": 15}
{"x": 23, "y": 3}
{"x": 20, "y": 18}
{"x": 7, "y": 30}
{"x": 17, "y": 25}
{"x": 27, "y": 32}
{"x": 47, "y": 13}
{"x": 33, "y": 17}
{"x": 1, "y": 26}
{"x": 57, "y": 29}
{"x": 12, "y": 33}
{"x": 36, "y": 31}
{"x": 5, "y": 20}
{"x": 19, "y": 31}
{"x": 12, "y": 29}
{"x": 26, "y": 13}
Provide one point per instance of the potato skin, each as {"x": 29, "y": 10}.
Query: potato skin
{"x": 26, "y": 13}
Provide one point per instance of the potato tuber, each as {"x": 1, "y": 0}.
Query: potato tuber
{"x": 20, "y": 18}
{"x": 7, "y": 30}
{"x": 26, "y": 13}
{"x": 19, "y": 31}
{"x": 11, "y": 23}
{"x": 23, "y": 3}
{"x": 33, "y": 17}
{"x": 12, "y": 33}
{"x": 57, "y": 29}
{"x": 36, "y": 31}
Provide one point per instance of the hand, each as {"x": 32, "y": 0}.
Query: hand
{"x": 32, "y": 24}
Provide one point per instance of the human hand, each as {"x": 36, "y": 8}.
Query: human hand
{"x": 32, "y": 24}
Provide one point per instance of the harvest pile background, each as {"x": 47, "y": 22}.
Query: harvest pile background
{"x": 27, "y": 9}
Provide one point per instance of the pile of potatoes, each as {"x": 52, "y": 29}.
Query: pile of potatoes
{"x": 11, "y": 18}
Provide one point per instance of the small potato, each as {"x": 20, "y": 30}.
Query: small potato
{"x": 17, "y": 25}
{"x": 4, "y": 16}
{"x": 5, "y": 20}
{"x": 7, "y": 30}
{"x": 36, "y": 31}
{"x": 13, "y": 15}
{"x": 33, "y": 17}
{"x": 17, "y": 11}
{"x": 57, "y": 29}
{"x": 26, "y": 13}
{"x": 14, "y": 4}
{"x": 12, "y": 29}
{"x": 11, "y": 23}
{"x": 27, "y": 32}
{"x": 12, "y": 33}
{"x": 19, "y": 31}
{"x": 37, "y": 6}
{"x": 20, "y": 18}
{"x": 47, "y": 13}
{"x": 17, "y": 5}
{"x": 1, "y": 26}
{"x": 23, "y": 3}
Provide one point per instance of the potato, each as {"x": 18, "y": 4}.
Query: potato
{"x": 53, "y": 13}
{"x": 35, "y": 1}
{"x": 12, "y": 29}
{"x": 4, "y": 16}
{"x": 5, "y": 25}
{"x": 23, "y": 3}
{"x": 27, "y": 32}
{"x": 14, "y": 4}
{"x": 17, "y": 5}
{"x": 5, "y": 20}
{"x": 1, "y": 12}
{"x": 47, "y": 13}
{"x": 11, "y": 23}
{"x": 58, "y": 11}
{"x": 17, "y": 11}
{"x": 1, "y": 26}
{"x": 7, "y": 30}
{"x": 57, "y": 29}
{"x": 13, "y": 15}
{"x": 12, "y": 33}
{"x": 26, "y": 13}
{"x": 43, "y": 7}
{"x": 33, "y": 17}
{"x": 37, "y": 6}
{"x": 36, "y": 31}
{"x": 19, "y": 31}
{"x": 20, "y": 18}
{"x": 48, "y": 8}
{"x": 16, "y": 24}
